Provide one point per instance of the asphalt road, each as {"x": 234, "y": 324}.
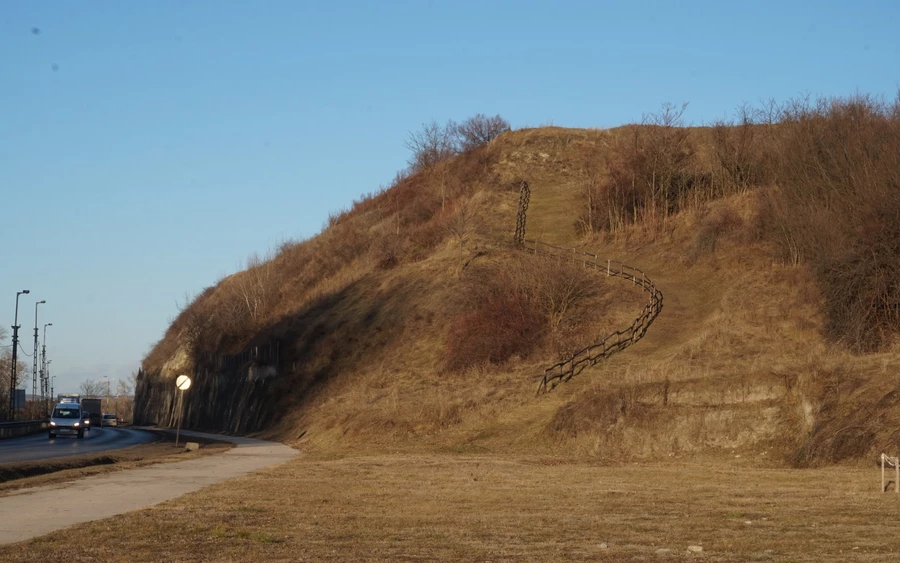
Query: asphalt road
{"x": 38, "y": 446}
{"x": 40, "y": 510}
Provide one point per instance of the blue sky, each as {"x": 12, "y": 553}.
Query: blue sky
{"x": 148, "y": 148}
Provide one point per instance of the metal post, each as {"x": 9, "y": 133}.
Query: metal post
{"x": 178, "y": 428}
{"x": 34, "y": 355}
{"x": 106, "y": 407}
{"x": 15, "y": 347}
{"x": 44, "y": 385}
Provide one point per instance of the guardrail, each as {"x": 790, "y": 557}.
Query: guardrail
{"x": 21, "y": 428}
{"x": 612, "y": 343}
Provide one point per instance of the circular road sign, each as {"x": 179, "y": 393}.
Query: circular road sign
{"x": 183, "y": 382}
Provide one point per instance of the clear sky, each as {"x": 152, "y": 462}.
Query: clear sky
{"x": 148, "y": 148}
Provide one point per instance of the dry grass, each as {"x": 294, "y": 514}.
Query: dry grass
{"x": 500, "y": 508}
{"x": 738, "y": 356}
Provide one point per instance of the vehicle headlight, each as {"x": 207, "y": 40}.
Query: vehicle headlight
{"x": 52, "y": 423}
{"x": 76, "y": 425}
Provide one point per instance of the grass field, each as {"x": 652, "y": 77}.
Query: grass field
{"x": 430, "y": 507}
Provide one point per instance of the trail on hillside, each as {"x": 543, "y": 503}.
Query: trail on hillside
{"x": 614, "y": 342}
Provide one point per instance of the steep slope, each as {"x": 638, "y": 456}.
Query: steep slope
{"x": 344, "y": 342}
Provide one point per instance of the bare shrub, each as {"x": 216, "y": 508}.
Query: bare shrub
{"x": 559, "y": 287}
{"x": 651, "y": 173}
{"x": 715, "y": 223}
{"x": 390, "y": 251}
{"x": 839, "y": 204}
{"x": 431, "y": 144}
{"x": 590, "y": 175}
{"x": 739, "y": 151}
{"x": 258, "y": 287}
{"x": 503, "y": 325}
{"x": 462, "y": 225}
{"x": 479, "y": 130}
{"x": 512, "y": 308}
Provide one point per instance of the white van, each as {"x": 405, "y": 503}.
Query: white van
{"x": 67, "y": 418}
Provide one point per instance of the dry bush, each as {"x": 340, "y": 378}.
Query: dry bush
{"x": 839, "y": 209}
{"x": 431, "y": 144}
{"x": 502, "y": 325}
{"x": 479, "y": 130}
{"x": 742, "y": 151}
{"x": 513, "y": 307}
{"x": 650, "y": 173}
{"x": 390, "y": 251}
{"x": 716, "y": 222}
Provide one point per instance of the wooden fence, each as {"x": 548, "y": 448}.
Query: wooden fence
{"x": 612, "y": 343}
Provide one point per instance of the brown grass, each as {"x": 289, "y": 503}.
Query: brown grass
{"x": 501, "y": 508}
{"x": 740, "y": 356}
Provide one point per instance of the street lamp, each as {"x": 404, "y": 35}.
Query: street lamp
{"x": 15, "y": 346}
{"x": 52, "y": 379}
{"x": 34, "y": 356}
{"x": 106, "y": 377}
{"x": 44, "y": 386}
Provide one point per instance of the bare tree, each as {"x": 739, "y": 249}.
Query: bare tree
{"x": 480, "y": 130}
{"x": 462, "y": 226}
{"x": 92, "y": 388}
{"x": 431, "y": 144}
{"x": 255, "y": 290}
{"x": 125, "y": 396}
{"x": 666, "y": 152}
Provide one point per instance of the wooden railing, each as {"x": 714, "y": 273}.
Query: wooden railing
{"x": 612, "y": 343}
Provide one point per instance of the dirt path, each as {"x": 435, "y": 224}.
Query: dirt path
{"x": 42, "y": 510}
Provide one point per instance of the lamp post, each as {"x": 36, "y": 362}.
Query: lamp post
{"x": 15, "y": 346}
{"x": 44, "y": 386}
{"x": 34, "y": 356}
{"x": 52, "y": 379}
{"x": 106, "y": 377}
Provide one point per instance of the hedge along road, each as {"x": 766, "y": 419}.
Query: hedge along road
{"x": 42, "y": 510}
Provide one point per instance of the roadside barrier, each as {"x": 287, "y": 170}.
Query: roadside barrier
{"x": 21, "y": 428}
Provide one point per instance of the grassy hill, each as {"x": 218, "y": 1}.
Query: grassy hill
{"x": 412, "y": 324}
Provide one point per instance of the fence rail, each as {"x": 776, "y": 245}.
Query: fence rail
{"x": 612, "y": 343}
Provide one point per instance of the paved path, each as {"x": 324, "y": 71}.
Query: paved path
{"x": 41, "y": 510}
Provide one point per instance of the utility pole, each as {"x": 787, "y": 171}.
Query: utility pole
{"x": 34, "y": 356}
{"x": 107, "y": 394}
{"x": 15, "y": 347}
{"x": 50, "y": 378}
{"x": 44, "y": 386}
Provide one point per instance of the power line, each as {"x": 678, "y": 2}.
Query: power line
{"x": 23, "y": 350}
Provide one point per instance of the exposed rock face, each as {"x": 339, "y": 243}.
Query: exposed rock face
{"x": 232, "y": 402}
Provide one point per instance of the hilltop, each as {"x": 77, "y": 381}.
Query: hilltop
{"x": 412, "y": 323}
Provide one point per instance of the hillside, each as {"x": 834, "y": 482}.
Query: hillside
{"x": 412, "y": 322}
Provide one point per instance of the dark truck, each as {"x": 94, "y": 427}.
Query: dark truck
{"x": 93, "y": 409}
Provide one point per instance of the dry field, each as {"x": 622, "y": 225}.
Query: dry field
{"x": 433, "y": 507}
